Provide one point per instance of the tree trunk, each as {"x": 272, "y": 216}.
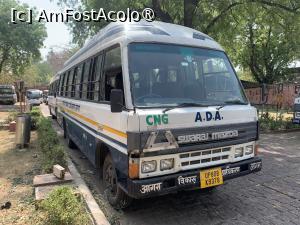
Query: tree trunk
{"x": 3, "y": 58}
{"x": 189, "y": 7}
{"x": 164, "y": 16}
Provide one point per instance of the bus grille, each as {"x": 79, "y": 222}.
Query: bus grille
{"x": 203, "y": 158}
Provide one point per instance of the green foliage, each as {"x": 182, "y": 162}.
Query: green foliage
{"x": 37, "y": 73}
{"x": 19, "y": 43}
{"x": 264, "y": 40}
{"x": 62, "y": 207}
{"x": 35, "y": 114}
{"x": 53, "y": 151}
{"x": 260, "y": 36}
{"x": 269, "y": 123}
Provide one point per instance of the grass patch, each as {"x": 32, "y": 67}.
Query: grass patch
{"x": 53, "y": 151}
{"x": 62, "y": 207}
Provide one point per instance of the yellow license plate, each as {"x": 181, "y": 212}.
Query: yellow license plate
{"x": 211, "y": 177}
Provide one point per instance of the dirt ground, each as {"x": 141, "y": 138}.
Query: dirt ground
{"x": 17, "y": 169}
{"x": 3, "y": 116}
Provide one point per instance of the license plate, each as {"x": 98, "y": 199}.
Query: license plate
{"x": 211, "y": 177}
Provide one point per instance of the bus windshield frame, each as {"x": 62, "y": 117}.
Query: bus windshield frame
{"x": 167, "y": 75}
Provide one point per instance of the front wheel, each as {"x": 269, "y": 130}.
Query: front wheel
{"x": 115, "y": 195}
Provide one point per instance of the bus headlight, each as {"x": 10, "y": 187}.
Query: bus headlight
{"x": 148, "y": 166}
{"x": 166, "y": 164}
{"x": 249, "y": 149}
{"x": 238, "y": 152}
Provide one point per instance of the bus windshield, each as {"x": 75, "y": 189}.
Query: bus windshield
{"x": 170, "y": 75}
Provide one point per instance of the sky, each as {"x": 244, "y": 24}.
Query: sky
{"x": 58, "y": 35}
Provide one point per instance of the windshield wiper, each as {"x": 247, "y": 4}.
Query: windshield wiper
{"x": 232, "y": 102}
{"x": 185, "y": 104}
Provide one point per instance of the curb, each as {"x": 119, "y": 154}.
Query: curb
{"x": 280, "y": 131}
{"x": 96, "y": 213}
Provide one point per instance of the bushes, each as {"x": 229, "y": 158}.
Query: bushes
{"x": 62, "y": 207}
{"x": 53, "y": 151}
{"x": 269, "y": 123}
{"x": 35, "y": 114}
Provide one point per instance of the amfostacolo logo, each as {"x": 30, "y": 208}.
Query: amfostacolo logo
{"x": 157, "y": 119}
{"x": 208, "y": 116}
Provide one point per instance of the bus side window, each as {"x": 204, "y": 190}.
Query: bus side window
{"x": 78, "y": 81}
{"x": 56, "y": 88}
{"x": 113, "y": 71}
{"x": 70, "y": 80}
{"x": 85, "y": 79}
{"x": 66, "y": 84}
{"x": 93, "y": 89}
{"x": 74, "y": 79}
{"x": 62, "y": 81}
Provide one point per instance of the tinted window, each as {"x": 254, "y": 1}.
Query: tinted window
{"x": 78, "y": 81}
{"x": 73, "y": 85}
{"x": 112, "y": 71}
{"x": 70, "y": 80}
{"x": 61, "y": 82}
{"x": 94, "y": 82}
{"x": 112, "y": 58}
{"x": 85, "y": 79}
{"x": 66, "y": 83}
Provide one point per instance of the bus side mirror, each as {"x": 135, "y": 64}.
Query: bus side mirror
{"x": 116, "y": 100}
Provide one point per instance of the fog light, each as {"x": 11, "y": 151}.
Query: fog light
{"x": 238, "y": 152}
{"x": 249, "y": 150}
{"x": 148, "y": 166}
{"x": 166, "y": 164}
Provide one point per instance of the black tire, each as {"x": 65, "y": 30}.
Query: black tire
{"x": 115, "y": 195}
{"x": 70, "y": 143}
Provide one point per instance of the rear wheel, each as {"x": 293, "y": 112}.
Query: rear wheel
{"x": 115, "y": 195}
{"x": 70, "y": 143}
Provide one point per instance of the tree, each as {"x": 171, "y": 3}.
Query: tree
{"x": 246, "y": 28}
{"x": 19, "y": 43}
{"x": 56, "y": 59}
{"x": 202, "y": 15}
{"x": 264, "y": 40}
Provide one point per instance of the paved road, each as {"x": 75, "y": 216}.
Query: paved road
{"x": 271, "y": 196}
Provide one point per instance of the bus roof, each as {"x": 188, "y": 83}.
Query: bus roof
{"x": 142, "y": 31}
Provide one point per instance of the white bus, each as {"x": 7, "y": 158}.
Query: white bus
{"x": 158, "y": 108}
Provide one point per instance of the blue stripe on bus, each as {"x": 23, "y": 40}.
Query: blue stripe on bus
{"x": 96, "y": 132}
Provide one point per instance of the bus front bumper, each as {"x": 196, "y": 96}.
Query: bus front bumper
{"x": 166, "y": 184}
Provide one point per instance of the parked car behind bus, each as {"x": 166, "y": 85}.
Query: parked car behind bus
{"x": 8, "y": 94}
{"x": 34, "y": 96}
